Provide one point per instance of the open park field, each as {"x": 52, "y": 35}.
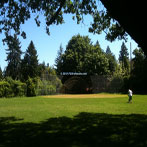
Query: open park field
{"x": 74, "y": 121}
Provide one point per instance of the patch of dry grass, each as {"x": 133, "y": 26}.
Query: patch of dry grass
{"x": 101, "y": 95}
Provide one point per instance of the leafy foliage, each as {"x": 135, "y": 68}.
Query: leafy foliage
{"x": 31, "y": 87}
{"x": 14, "y": 13}
{"x": 17, "y": 87}
{"x": 139, "y": 63}
{"x": 46, "y": 88}
{"x": 4, "y": 89}
{"x": 48, "y": 83}
{"x": 102, "y": 21}
{"x": 49, "y": 86}
{"x": 81, "y": 56}
{"x": 12, "y": 88}
{"x": 138, "y": 77}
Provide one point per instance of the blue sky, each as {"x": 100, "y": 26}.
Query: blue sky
{"x": 47, "y": 46}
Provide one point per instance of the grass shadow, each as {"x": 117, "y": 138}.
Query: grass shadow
{"x": 83, "y": 130}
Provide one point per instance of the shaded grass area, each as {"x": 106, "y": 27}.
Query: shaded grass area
{"x": 83, "y": 130}
{"x": 39, "y": 122}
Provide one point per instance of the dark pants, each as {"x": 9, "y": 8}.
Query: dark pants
{"x": 130, "y": 98}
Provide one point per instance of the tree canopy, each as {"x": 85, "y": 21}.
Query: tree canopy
{"x": 130, "y": 16}
{"x": 14, "y": 13}
{"x": 139, "y": 71}
{"x": 84, "y": 57}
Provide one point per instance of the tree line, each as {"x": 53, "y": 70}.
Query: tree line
{"x": 82, "y": 56}
{"x": 26, "y": 76}
{"x": 23, "y": 75}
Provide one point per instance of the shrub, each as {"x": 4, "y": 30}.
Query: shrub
{"x": 5, "y": 89}
{"x": 12, "y": 88}
{"x": 31, "y": 88}
{"x": 115, "y": 84}
{"x": 49, "y": 85}
{"x": 19, "y": 88}
{"x": 51, "y": 89}
{"x": 46, "y": 88}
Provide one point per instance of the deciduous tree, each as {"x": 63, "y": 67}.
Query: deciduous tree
{"x": 139, "y": 71}
{"x": 14, "y": 13}
{"x": 81, "y": 56}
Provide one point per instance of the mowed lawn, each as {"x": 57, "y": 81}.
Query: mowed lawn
{"x": 74, "y": 121}
{"x": 38, "y": 109}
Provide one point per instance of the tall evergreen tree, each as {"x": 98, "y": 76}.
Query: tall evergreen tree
{"x": 59, "y": 60}
{"x": 108, "y": 50}
{"x": 139, "y": 63}
{"x": 124, "y": 58}
{"x": 13, "y": 57}
{"x": 139, "y": 71}
{"x": 41, "y": 68}
{"x": 111, "y": 59}
{"x": 30, "y": 62}
{"x": 1, "y": 74}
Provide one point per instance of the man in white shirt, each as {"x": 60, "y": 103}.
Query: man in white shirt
{"x": 130, "y": 94}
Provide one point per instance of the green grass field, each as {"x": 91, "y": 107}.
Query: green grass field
{"x": 41, "y": 108}
{"x": 74, "y": 121}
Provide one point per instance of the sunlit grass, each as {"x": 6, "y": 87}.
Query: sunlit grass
{"x": 41, "y": 108}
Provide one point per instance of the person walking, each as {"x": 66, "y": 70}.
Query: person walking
{"x": 130, "y": 94}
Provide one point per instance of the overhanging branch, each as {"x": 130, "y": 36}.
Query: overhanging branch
{"x": 53, "y": 18}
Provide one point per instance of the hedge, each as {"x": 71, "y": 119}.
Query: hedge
{"x": 12, "y": 88}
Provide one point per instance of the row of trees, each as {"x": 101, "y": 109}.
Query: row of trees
{"x": 26, "y": 71}
{"x": 17, "y": 67}
{"x": 103, "y": 71}
{"x": 84, "y": 57}
{"x": 81, "y": 56}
